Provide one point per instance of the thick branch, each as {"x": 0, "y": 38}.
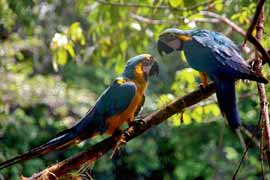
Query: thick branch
{"x": 256, "y": 17}
{"x": 96, "y": 151}
{"x": 252, "y": 39}
{"x": 261, "y": 89}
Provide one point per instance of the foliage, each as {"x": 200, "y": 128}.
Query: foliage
{"x": 56, "y": 57}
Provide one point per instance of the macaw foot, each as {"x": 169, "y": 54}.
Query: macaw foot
{"x": 202, "y": 88}
{"x": 117, "y": 133}
{"x": 204, "y": 79}
{"x": 137, "y": 123}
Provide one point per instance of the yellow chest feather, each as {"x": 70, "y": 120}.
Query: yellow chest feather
{"x": 116, "y": 121}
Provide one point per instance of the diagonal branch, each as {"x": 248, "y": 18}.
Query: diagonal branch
{"x": 225, "y": 20}
{"x": 98, "y": 150}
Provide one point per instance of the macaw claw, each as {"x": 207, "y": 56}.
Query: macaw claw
{"x": 138, "y": 123}
{"x": 202, "y": 88}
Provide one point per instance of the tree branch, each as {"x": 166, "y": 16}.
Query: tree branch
{"x": 98, "y": 150}
{"x": 162, "y": 7}
{"x": 252, "y": 39}
{"x": 261, "y": 89}
{"x": 224, "y": 19}
{"x": 151, "y": 21}
{"x": 258, "y": 21}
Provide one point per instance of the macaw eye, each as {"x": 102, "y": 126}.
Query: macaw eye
{"x": 146, "y": 62}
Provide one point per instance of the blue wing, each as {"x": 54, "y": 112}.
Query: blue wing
{"x": 226, "y": 55}
{"x": 225, "y": 52}
{"x": 114, "y": 100}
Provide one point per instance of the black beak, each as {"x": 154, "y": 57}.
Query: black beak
{"x": 163, "y": 47}
{"x": 154, "y": 69}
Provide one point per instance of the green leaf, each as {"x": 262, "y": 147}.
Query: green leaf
{"x": 70, "y": 50}
{"x": 123, "y": 46}
{"x": 62, "y": 56}
{"x": 219, "y": 5}
{"x": 231, "y": 153}
{"x": 177, "y": 3}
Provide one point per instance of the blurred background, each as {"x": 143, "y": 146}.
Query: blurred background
{"x": 56, "y": 57}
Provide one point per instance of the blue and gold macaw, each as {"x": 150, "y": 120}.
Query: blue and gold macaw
{"x": 215, "y": 55}
{"x": 118, "y": 104}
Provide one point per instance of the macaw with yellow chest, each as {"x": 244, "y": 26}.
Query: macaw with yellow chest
{"x": 119, "y": 103}
{"x": 215, "y": 55}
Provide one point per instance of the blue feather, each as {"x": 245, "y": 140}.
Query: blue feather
{"x": 225, "y": 91}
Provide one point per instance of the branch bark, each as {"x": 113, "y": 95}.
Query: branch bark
{"x": 252, "y": 39}
{"x": 265, "y": 135}
{"x": 98, "y": 150}
{"x": 161, "y": 7}
{"x": 257, "y": 22}
{"x": 225, "y": 20}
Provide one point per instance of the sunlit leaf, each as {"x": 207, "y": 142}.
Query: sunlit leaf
{"x": 177, "y": 3}
{"x": 219, "y": 5}
{"x": 62, "y": 56}
{"x": 70, "y": 50}
{"x": 231, "y": 153}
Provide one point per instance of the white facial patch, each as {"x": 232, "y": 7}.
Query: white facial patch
{"x": 175, "y": 44}
{"x": 146, "y": 69}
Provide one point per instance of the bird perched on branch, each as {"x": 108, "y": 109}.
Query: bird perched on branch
{"x": 119, "y": 103}
{"x": 215, "y": 55}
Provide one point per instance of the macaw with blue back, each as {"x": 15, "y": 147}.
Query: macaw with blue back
{"x": 119, "y": 103}
{"x": 215, "y": 55}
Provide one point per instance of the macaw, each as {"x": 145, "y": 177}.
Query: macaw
{"x": 119, "y": 103}
{"x": 215, "y": 55}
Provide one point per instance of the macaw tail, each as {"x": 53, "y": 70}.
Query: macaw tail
{"x": 63, "y": 140}
{"x": 225, "y": 91}
{"x": 255, "y": 77}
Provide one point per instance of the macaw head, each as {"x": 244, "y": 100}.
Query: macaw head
{"x": 172, "y": 39}
{"x": 141, "y": 67}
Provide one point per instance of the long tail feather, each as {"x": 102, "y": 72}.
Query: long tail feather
{"x": 62, "y": 141}
{"x": 227, "y": 101}
{"x": 255, "y": 77}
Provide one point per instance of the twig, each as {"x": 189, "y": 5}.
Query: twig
{"x": 96, "y": 151}
{"x": 158, "y": 21}
{"x": 261, "y": 149}
{"x": 241, "y": 161}
{"x": 247, "y": 147}
{"x": 256, "y": 17}
{"x": 162, "y": 7}
{"x": 250, "y": 135}
{"x": 152, "y": 21}
{"x": 224, "y": 19}
{"x": 248, "y": 36}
